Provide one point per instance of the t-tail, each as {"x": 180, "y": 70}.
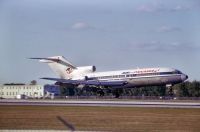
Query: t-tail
{"x": 64, "y": 69}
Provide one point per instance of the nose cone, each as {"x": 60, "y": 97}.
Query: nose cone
{"x": 184, "y": 77}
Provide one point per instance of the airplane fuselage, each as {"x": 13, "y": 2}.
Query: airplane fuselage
{"x": 142, "y": 77}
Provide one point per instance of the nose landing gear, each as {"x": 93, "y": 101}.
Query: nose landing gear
{"x": 170, "y": 90}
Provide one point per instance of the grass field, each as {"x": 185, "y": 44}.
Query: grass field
{"x": 99, "y": 118}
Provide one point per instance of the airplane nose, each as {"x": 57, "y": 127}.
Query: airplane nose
{"x": 184, "y": 77}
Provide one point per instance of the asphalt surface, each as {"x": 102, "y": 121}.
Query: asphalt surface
{"x": 43, "y": 131}
{"x": 164, "y": 104}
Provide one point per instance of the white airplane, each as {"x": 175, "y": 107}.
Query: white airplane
{"x": 87, "y": 75}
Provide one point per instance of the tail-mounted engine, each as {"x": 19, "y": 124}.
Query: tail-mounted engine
{"x": 86, "y": 69}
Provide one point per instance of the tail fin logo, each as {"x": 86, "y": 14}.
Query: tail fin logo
{"x": 69, "y": 70}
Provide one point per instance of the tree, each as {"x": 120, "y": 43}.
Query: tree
{"x": 33, "y": 82}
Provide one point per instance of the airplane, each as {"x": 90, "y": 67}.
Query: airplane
{"x": 132, "y": 78}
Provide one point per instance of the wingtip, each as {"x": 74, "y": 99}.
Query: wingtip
{"x": 43, "y": 78}
{"x": 36, "y": 58}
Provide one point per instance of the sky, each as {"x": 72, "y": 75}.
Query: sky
{"x": 110, "y": 34}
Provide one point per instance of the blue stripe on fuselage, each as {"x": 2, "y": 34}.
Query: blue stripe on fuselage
{"x": 127, "y": 76}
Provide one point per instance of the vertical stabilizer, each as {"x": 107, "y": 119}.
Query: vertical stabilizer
{"x": 59, "y": 65}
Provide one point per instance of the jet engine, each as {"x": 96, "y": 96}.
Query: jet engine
{"x": 86, "y": 69}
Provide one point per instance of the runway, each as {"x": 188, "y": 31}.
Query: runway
{"x": 116, "y": 103}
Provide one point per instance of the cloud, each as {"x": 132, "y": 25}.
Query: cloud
{"x": 159, "y": 7}
{"x": 179, "y": 8}
{"x": 145, "y": 8}
{"x": 168, "y": 29}
{"x": 152, "y": 45}
{"x": 150, "y": 8}
{"x": 163, "y": 46}
{"x": 80, "y": 26}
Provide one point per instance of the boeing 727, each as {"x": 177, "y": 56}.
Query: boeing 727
{"x": 87, "y": 75}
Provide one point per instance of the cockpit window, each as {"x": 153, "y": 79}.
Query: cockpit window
{"x": 177, "y": 72}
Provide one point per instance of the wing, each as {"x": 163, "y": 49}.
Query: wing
{"x": 89, "y": 82}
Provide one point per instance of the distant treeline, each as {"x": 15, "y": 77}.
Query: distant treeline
{"x": 186, "y": 89}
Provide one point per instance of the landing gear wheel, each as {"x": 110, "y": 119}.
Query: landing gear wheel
{"x": 101, "y": 93}
{"x": 116, "y": 93}
{"x": 170, "y": 90}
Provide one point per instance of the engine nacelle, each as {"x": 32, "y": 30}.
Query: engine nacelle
{"x": 87, "y": 69}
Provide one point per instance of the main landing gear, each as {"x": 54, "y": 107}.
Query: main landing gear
{"x": 116, "y": 92}
{"x": 101, "y": 92}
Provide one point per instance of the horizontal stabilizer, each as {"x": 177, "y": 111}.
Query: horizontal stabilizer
{"x": 89, "y": 82}
{"x": 57, "y": 59}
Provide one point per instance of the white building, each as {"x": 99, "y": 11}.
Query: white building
{"x": 21, "y": 90}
